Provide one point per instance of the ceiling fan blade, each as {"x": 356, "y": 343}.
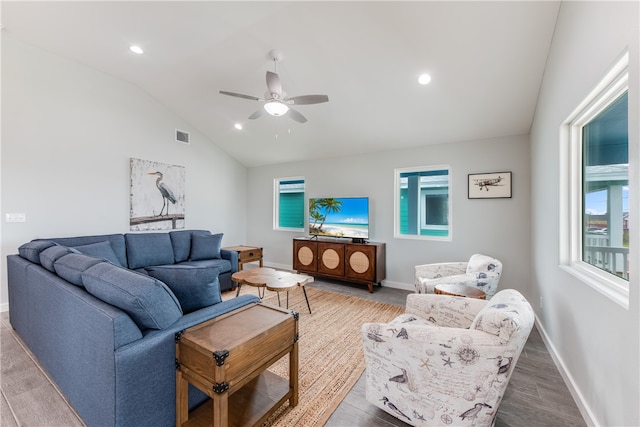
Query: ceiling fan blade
{"x": 257, "y": 114}
{"x": 239, "y": 95}
{"x": 307, "y": 99}
{"x": 273, "y": 84}
{"x": 297, "y": 116}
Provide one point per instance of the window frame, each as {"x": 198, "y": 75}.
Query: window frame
{"x": 611, "y": 87}
{"x": 397, "y": 205}
{"x": 276, "y": 204}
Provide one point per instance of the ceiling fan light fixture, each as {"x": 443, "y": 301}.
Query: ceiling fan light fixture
{"x": 276, "y": 108}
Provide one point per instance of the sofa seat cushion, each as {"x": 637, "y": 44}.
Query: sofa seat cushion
{"x": 51, "y": 255}
{"x": 71, "y": 266}
{"x": 147, "y": 249}
{"x": 181, "y": 241}
{"x": 205, "y": 247}
{"x": 31, "y": 250}
{"x": 223, "y": 264}
{"x": 101, "y": 250}
{"x": 148, "y": 301}
{"x": 194, "y": 286}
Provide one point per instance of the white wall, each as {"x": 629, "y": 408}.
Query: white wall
{"x": 68, "y": 133}
{"x": 498, "y": 227}
{"x": 596, "y": 340}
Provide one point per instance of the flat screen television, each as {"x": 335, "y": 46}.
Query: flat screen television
{"x": 339, "y": 217}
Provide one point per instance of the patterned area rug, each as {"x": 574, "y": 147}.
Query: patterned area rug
{"x": 331, "y": 358}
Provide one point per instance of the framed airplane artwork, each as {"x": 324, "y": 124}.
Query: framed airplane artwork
{"x": 494, "y": 185}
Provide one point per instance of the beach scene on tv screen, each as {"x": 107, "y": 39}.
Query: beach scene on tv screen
{"x": 339, "y": 217}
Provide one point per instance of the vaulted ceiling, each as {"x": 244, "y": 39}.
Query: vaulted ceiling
{"x": 486, "y": 60}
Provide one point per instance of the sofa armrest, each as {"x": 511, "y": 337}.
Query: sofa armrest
{"x": 444, "y": 310}
{"x": 231, "y": 256}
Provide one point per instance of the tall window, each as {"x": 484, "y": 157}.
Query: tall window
{"x": 422, "y": 203}
{"x": 289, "y": 204}
{"x": 595, "y": 187}
{"x": 605, "y": 189}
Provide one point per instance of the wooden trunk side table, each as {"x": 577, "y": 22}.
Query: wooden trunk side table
{"x": 246, "y": 254}
{"x": 227, "y": 358}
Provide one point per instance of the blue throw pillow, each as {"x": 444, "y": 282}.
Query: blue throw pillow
{"x": 51, "y": 255}
{"x": 205, "y": 247}
{"x": 31, "y": 250}
{"x": 195, "y": 287}
{"x": 146, "y": 249}
{"x": 181, "y": 241}
{"x": 102, "y": 250}
{"x": 146, "y": 300}
{"x": 71, "y": 266}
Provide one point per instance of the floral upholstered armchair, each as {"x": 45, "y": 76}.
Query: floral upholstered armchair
{"x": 446, "y": 360}
{"x": 481, "y": 271}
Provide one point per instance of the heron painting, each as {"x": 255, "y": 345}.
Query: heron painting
{"x": 157, "y": 196}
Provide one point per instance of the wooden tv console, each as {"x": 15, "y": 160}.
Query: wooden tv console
{"x": 342, "y": 260}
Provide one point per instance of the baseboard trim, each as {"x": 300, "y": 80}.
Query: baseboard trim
{"x": 583, "y": 407}
{"x": 4, "y": 307}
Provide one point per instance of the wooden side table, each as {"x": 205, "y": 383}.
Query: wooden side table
{"x": 246, "y": 254}
{"x": 460, "y": 291}
{"x": 227, "y": 358}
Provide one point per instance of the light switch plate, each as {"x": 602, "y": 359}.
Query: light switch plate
{"x": 16, "y": 217}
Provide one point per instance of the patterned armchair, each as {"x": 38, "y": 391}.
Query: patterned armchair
{"x": 446, "y": 360}
{"x": 481, "y": 271}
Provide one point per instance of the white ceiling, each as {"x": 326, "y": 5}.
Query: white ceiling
{"x": 486, "y": 59}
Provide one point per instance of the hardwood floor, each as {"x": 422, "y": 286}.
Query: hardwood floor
{"x": 536, "y": 395}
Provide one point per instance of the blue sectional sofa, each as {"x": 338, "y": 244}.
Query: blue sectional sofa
{"x": 100, "y": 314}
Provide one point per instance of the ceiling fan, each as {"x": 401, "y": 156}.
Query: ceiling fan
{"x": 276, "y": 101}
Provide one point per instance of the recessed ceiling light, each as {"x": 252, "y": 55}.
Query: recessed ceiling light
{"x": 136, "y": 49}
{"x": 238, "y": 126}
{"x": 424, "y": 79}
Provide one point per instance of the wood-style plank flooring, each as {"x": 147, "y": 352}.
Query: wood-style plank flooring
{"x": 536, "y": 395}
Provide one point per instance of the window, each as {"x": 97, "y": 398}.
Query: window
{"x": 288, "y": 204}
{"x": 595, "y": 188}
{"x": 423, "y": 203}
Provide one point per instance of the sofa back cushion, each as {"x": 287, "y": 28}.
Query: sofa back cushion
{"x": 101, "y": 250}
{"x": 51, "y": 255}
{"x": 71, "y": 266}
{"x": 181, "y": 241}
{"x": 205, "y": 247}
{"x": 116, "y": 241}
{"x": 147, "y": 249}
{"x": 145, "y": 299}
{"x": 194, "y": 286}
{"x": 31, "y": 250}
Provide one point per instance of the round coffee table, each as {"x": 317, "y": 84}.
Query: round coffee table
{"x": 460, "y": 291}
{"x": 272, "y": 280}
